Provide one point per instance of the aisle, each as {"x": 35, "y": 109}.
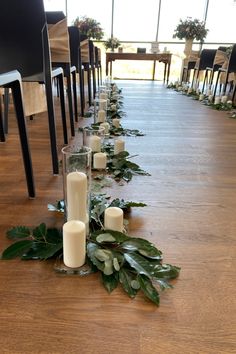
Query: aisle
{"x": 190, "y": 151}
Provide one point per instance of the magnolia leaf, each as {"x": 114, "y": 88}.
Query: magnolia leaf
{"x": 163, "y": 284}
{"x": 148, "y": 289}
{"x": 40, "y": 232}
{"x": 105, "y": 237}
{"x": 125, "y": 280}
{"x": 18, "y": 232}
{"x": 42, "y": 251}
{"x": 118, "y": 236}
{"x": 139, "y": 263}
{"x": 110, "y": 282}
{"x": 166, "y": 271}
{"x": 17, "y": 249}
{"x": 144, "y": 247}
{"x": 91, "y": 248}
{"x": 108, "y": 267}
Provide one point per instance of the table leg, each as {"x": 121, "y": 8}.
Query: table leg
{"x": 107, "y": 67}
{"x": 165, "y": 72}
{"x": 110, "y": 68}
{"x": 154, "y": 69}
{"x": 168, "y": 73}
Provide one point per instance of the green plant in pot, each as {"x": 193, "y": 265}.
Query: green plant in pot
{"x": 112, "y": 43}
{"x": 190, "y": 29}
{"x": 89, "y": 27}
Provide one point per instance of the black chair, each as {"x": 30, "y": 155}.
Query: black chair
{"x": 87, "y": 57}
{"x": 98, "y": 66}
{"x": 206, "y": 60}
{"x": 12, "y": 80}
{"x": 187, "y": 71}
{"x": 217, "y": 64}
{"x": 229, "y": 69}
{"x": 53, "y": 18}
{"x": 24, "y": 46}
{"x": 75, "y": 57}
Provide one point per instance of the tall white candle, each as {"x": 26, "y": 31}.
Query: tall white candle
{"x": 106, "y": 125}
{"x": 210, "y": 98}
{"x": 101, "y": 116}
{"x": 95, "y": 143}
{"x": 217, "y": 100}
{"x": 74, "y": 243}
{"x": 201, "y": 97}
{"x": 103, "y": 104}
{"x": 119, "y": 146}
{"x": 113, "y": 107}
{"x": 209, "y": 92}
{"x": 100, "y": 160}
{"x": 116, "y": 122}
{"x": 76, "y": 185}
{"x": 113, "y": 219}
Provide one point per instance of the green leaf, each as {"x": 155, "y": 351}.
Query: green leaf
{"x": 105, "y": 237}
{"x": 144, "y": 247}
{"x": 17, "y": 249}
{"x": 40, "y": 232}
{"x": 164, "y": 284}
{"x": 91, "y": 249}
{"x": 110, "y": 282}
{"x": 148, "y": 289}
{"x": 166, "y": 271}
{"x": 118, "y": 236}
{"x": 54, "y": 236}
{"x": 42, "y": 251}
{"x": 139, "y": 263}
{"x": 103, "y": 255}
{"x": 18, "y": 232}
{"x": 125, "y": 279}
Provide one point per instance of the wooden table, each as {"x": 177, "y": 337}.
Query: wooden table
{"x": 161, "y": 57}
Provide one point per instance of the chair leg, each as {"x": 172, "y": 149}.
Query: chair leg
{"x": 51, "y": 124}
{"x": 70, "y": 104}
{"x": 17, "y": 98}
{"x": 100, "y": 75}
{"x": 6, "y": 108}
{"x": 75, "y": 95}
{"x": 81, "y": 88}
{"x": 217, "y": 80}
{"x": 89, "y": 87}
{"x": 60, "y": 85}
{"x": 2, "y": 135}
{"x": 204, "y": 81}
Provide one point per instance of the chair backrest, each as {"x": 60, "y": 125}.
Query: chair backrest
{"x": 232, "y": 60}
{"x": 207, "y": 58}
{"x": 22, "y": 23}
{"x": 74, "y": 37}
{"x": 53, "y": 17}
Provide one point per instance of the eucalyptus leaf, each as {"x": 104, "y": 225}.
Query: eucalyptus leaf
{"x": 110, "y": 282}
{"x": 91, "y": 249}
{"x": 105, "y": 237}
{"x": 18, "y": 232}
{"x": 17, "y": 249}
{"x": 148, "y": 289}
{"x": 108, "y": 267}
{"x": 118, "y": 236}
{"x": 103, "y": 254}
{"x": 125, "y": 280}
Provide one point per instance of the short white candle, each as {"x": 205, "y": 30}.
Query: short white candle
{"x": 113, "y": 107}
{"x": 217, "y": 100}
{"x": 95, "y": 143}
{"x": 116, "y": 122}
{"x": 103, "y": 95}
{"x": 101, "y": 116}
{"x": 224, "y": 99}
{"x": 74, "y": 243}
{"x": 99, "y": 160}
{"x": 106, "y": 125}
{"x": 210, "y": 98}
{"x": 197, "y": 91}
{"x": 190, "y": 90}
{"x": 103, "y": 104}
{"x": 76, "y": 187}
{"x": 201, "y": 97}
{"x": 119, "y": 146}
{"x": 113, "y": 219}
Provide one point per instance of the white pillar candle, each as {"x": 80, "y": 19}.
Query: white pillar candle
{"x": 106, "y": 125}
{"x": 217, "y": 100}
{"x": 76, "y": 186}
{"x": 190, "y": 90}
{"x": 119, "y": 146}
{"x": 103, "y": 104}
{"x": 197, "y": 91}
{"x": 103, "y": 96}
{"x": 224, "y": 99}
{"x": 95, "y": 143}
{"x": 74, "y": 243}
{"x": 210, "y": 98}
{"x": 113, "y": 107}
{"x": 209, "y": 92}
{"x": 201, "y": 97}
{"x": 113, "y": 219}
{"x": 101, "y": 116}
{"x": 116, "y": 122}
{"x": 100, "y": 160}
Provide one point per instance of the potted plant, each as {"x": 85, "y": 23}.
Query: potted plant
{"x": 189, "y": 30}
{"x": 112, "y": 43}
{"x": 89, "y": 27}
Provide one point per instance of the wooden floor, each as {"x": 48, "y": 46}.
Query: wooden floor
{"x": 190, "y": 151}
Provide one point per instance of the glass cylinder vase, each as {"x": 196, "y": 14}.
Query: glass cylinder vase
{"x": 100, "y": 110}
{"x": 76, "y": 166}
{"x": 93, "y": 138}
